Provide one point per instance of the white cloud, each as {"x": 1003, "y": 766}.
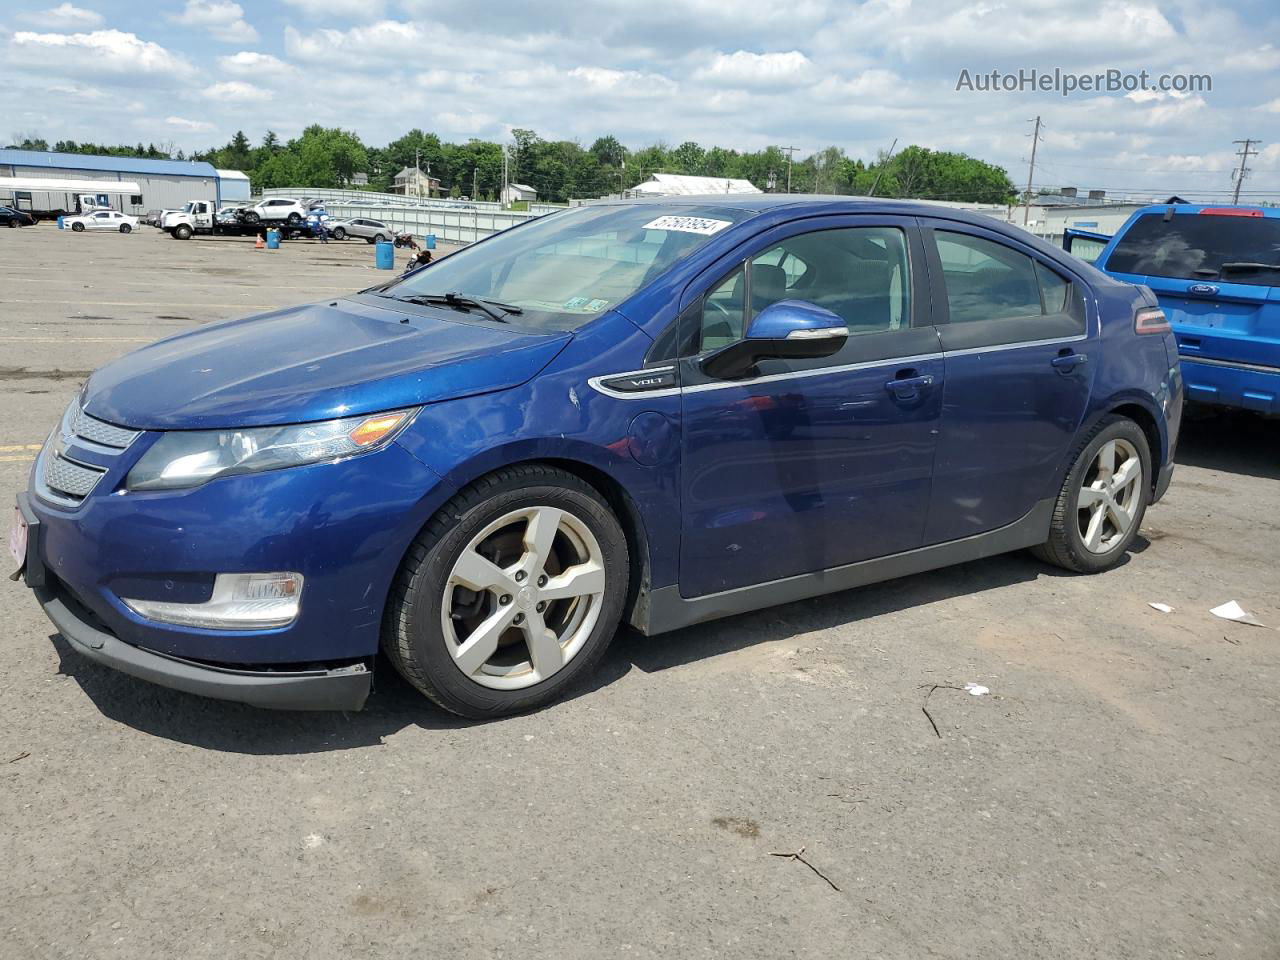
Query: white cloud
{"x": 351, "y": 9}
{"x": 62, "y": 17}
{"x": 235, "y": 91}
{"x": 182, "y": 123}
{"x": 101, "y": 51}
{"x": 223, "y": 19}
{"x": 1272, "y": 107}
{"x": 249, "y": 63}
{"x": 623, "y": 83}
{"x": 743, "y": 68}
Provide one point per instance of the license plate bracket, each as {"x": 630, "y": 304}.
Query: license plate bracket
{"x": 24, "y": 544}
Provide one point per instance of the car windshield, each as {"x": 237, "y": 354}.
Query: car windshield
{"x": 569, "y": 267}
{"x": 1194, "y": 246}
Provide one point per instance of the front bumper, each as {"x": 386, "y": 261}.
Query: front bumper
{"x": 337, "y": 688}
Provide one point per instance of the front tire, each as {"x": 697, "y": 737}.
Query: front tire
{"x": 1102, "y": 501}
{"x": 182, "y": 232}
{"x": 339, "y": 234}
{"x": 77, "y": 227}
{"x": 510, "y": 595}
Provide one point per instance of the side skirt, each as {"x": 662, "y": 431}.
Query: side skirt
{"x": 666, "y": 610}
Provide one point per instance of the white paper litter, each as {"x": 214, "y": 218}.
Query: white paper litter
{"x": 976, "y": 689}
{"x": 1231, "y": 610}
{"x": 1162, "y": 607}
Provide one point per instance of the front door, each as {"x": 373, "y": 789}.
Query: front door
{"x": 807, "y": 465}
{"x": 1017, "y": 340}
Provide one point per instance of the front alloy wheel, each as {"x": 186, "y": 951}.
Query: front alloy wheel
{"x": 510, "y": 594}
{"x": 523, "y": 598}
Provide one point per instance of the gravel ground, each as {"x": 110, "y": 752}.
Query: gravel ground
{"x": 1115, "y": 795}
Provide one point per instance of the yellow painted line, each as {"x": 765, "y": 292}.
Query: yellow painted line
{"x": 149, "y": 304}
{"x": 75, "y": 339}
{"x": 19, "y": 446}
{"x": 16, "y": 459}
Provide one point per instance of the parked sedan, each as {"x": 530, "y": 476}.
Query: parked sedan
{"x": 374, "y": 231}
{"x": 9, "y": 217}
{"x": 101, "y": 220}
{"x": 654, "y": 412}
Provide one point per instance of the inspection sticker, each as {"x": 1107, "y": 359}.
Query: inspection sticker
{"x": 701, "y": 225}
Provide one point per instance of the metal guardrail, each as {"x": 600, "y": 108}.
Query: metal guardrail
{"x": 455, "y": 226}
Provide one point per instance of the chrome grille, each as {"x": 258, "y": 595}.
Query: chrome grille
{"x": 64, "y": 479}
{"x": 68, "y": 477}
{"x": 99, "y": 431}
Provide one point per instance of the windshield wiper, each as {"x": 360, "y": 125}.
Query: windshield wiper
{"x": 462, "y": 302}
{"x": 1245, "y": 266}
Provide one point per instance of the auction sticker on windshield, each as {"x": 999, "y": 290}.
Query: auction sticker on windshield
{"x": 702, "y": 225}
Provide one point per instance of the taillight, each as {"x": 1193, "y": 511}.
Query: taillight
{"x": 1231, "y": 212}
{"x": 1150, "y": 320}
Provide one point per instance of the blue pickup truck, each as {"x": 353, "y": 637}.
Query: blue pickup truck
{"x": 1216, "y": 273}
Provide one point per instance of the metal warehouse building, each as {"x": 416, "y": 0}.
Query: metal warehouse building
{"x": 162, "y": 183}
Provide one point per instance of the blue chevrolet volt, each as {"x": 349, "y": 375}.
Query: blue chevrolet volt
{"x": 650, "y": 412}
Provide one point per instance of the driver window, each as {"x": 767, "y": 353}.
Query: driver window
{"x": 722, "y": 313}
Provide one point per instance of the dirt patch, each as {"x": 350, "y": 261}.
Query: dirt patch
{"x": 739, "y": 825}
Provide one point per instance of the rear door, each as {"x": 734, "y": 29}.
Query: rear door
{"x": 1017, "y": 342}
{"x": 1216, "y": 273}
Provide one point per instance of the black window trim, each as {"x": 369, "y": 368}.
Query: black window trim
{"x": 1072, "y": 325}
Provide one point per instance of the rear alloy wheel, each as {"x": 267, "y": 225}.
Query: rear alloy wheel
{"x": 13, "y": 223}
{"x": 510, "y": 595}
{"x": 125, "y": 228}
{"x": 1102, "y": 501}
{"x": 294, "y": 218}
{"x": 379, "y": 238}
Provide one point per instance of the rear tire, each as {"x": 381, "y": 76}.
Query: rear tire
{"x": 379, "y": 238}
{"x": 125, "y": 228}
{"x": 13, "y": 223}
{"x": 547, "y": 564}
{"x": 1102, "y": 501}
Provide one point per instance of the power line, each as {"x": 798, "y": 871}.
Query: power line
{"x": 1243, "y": 154}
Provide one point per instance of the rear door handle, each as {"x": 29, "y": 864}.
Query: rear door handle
{"x": 908, "y": 388}
{"x": 1066, "y": 362}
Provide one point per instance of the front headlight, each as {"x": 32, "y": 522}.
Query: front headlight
{"x": 188, "y": 458}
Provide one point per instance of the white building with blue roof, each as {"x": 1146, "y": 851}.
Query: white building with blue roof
{"x": 161, "y": 184}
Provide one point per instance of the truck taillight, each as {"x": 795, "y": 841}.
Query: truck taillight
{"x": 1150, "y": 320}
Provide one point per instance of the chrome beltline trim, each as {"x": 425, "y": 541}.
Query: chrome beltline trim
{"x": 596, "y": 383}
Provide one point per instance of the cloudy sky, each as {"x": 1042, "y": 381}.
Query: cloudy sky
{"x": 738, "y": 73}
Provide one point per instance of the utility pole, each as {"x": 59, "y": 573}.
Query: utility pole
{"x": 417, "y": 180}
{"x": 788, "y": 151}
{"x": 1243, "y": 153}
{"x": 475, "y": 173}
{"x": 1031, "y": 172}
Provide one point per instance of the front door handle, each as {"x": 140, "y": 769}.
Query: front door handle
{"x": 1068, "y": 360}
{"x": 908, "y": 388}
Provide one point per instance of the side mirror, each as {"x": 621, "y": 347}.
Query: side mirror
{"x": 786, "y": 330}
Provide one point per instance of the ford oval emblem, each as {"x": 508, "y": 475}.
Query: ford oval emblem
{"x": 1208, "y": 289}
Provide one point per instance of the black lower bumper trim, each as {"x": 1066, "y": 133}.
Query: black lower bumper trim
{"x": 339, "y": 688}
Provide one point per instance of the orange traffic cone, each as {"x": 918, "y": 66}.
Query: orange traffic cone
{"x": 259, "y": 245}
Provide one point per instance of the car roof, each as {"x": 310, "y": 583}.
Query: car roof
{"x": 812, "y": 204}
{"x": 1162, "y": 208}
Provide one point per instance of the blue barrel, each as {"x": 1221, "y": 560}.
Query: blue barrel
{"x": 273, "y": 239}
{"x": 431, "y": 241}
{"x": 385, "y": 255}
{"x": 60, "y": 226}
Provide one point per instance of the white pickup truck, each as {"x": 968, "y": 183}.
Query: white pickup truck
{"x": 203, "y": 216}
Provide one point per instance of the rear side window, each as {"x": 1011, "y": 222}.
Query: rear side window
{"x": 1197, "y": 246}
{"x": 989, "y": 281}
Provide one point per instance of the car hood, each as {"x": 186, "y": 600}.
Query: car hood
{"x": 316, "y": 362}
